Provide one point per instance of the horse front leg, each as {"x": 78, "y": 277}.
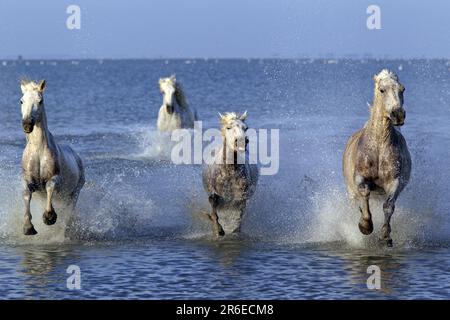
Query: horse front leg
{"x": 214, "y": 201}
{"x": 28, "y": 228}
{"x": 392, "y": 192}
{"x": 365, "y": 222}
{"x": 241, "y": 205}
{"x": 51, "y": 186}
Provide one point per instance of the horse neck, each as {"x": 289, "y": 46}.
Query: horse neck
{"x": 224, "y": 152}
{"x": 40, "y": 134}
{"x": 180, "y": 99}
{"x": 174, "y": 103}
{"x": 379, "y": 128}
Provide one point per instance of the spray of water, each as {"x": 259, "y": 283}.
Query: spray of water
{"x": 144, "y": 195}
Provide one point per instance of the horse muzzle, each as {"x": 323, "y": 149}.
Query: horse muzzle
{"x": 28, "y": 126}
{"x": 241, "y": 144}
{"x": 398, "y": 117}
{"x": 170, "y": 108}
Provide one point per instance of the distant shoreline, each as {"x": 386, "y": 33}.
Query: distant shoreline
{"x": 23, "y": 60}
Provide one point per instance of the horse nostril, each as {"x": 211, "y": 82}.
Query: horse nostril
{"x": 398, "y": 116}
{"x": 28, "y": 125}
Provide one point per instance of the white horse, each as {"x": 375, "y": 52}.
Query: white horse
{"x": 174, "y": 113}
{"x": 47, "y": 168}
{"x": 229, "y": 182}
{"x": 376, "y": 157}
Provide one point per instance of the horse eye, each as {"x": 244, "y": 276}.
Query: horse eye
{"x": 21, "y": 101}
{"x": 228, "y": 128}
{"x": 382, "y": 90}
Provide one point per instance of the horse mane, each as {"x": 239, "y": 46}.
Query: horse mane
{"x": 228, "y": 117}
{"x": 180, "y": 97}
{"x": 386, "y": 74}
{"x": 24, "y": 80}
{"x": 29, "y": 84}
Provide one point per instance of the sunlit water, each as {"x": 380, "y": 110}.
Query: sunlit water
{"x": 138, "y": 231}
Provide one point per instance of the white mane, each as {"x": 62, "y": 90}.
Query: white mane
{"x": 29, "y": 85}
{"x": 231, "y": 116}
{"x": 386, "y": 74}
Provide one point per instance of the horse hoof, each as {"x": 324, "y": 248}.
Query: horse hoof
{"x": 219, "y": 233}
{"x": 50, "y": 217}
{"x": 387, "y": 241}
{"x": 30, "y": 231}
{"x": 366, "y": 227}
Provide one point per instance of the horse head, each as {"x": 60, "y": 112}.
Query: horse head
{"x": 32, "y": 102}
{"x": 168, "y": 88}
{"x": 234, "y": 131}
{"x": 389, "y": 95}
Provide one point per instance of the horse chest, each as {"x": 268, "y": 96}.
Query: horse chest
{"x": 39, "y": 166}
{"x": 367, "y": 165}
{"x": 168, "y": 121}
{"x": 174, "y": 120}
{"x": 232, "y": 185}
{"x": 377, "y": 162}
{"x": 388, "y": 166}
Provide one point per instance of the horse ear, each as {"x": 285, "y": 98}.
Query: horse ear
{"x": 41, "y": 86}
{"x": 220, "y": 115}
{"x": 173, "y": 78}
{"x": 243, "y": 116}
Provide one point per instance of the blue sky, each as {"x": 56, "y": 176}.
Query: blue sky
{"x": 223, "y": 29}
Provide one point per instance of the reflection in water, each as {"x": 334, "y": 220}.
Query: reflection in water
{"x": 405, "y": 273}
{"x": 226, "y": 251}
{"x": 357, "y": 261}
{"x": 43, "y": 267}
{"x": 229, "y": 268}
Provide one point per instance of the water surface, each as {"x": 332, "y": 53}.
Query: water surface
{"x": 137, "y": 231}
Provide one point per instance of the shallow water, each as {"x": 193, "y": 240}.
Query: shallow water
{"x": 137, "y": 231}
{"x": 226, "y": 269}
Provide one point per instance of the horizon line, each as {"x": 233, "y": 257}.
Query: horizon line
{"x": 20, "y": 58}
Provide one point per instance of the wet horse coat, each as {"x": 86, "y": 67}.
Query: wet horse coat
{"x": 174, "y": 113}
{"x": 376, "y": 157}
{"x": 47, "y": 168}
{"x": 230, "y": 184}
